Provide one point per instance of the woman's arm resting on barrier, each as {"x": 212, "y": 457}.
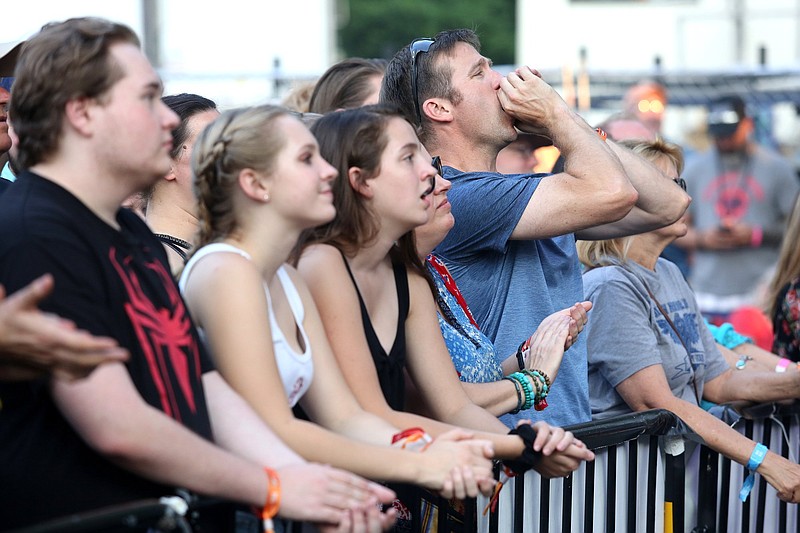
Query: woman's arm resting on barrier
{"x": 648, "y": 389}
{"x": 770, "y": 386}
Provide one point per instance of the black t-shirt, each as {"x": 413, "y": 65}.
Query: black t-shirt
{"x": 109, "y": 282}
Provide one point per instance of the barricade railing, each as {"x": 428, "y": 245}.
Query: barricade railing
{"x": 647, "y": 478}
{"x": 163, "y": 514}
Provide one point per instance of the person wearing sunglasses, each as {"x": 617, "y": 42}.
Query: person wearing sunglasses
{"x": 512, "y": 249}
{"x": 650, "y": 349}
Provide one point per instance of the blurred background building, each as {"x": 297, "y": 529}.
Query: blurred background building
{"x": 240, "y": 52}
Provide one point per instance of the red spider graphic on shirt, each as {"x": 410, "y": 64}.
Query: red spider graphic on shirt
{"x": 165, "y": 334}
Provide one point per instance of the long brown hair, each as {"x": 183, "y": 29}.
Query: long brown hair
{"x": 345, "y": 85}
{"x": 356, "y": 138}
{"x": 788, "y": 266}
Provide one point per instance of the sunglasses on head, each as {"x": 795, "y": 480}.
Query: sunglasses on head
{"x": 418, "y": 46}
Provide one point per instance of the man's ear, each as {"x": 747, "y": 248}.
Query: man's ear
{"x": 78, "y": 113}
{"x": 356, "y": 177}
{"x": 438, "y": 109}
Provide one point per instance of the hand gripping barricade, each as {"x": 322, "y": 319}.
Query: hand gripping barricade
{"x": 647, "y": 477}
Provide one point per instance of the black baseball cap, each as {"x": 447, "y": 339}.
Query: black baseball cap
{"x": 724, "y": 116}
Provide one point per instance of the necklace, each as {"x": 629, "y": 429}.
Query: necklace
{"x": 174, "y": 240}
{"x": 179, "y": 246}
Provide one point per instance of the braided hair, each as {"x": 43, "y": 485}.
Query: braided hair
{"x": 237, "y": 140}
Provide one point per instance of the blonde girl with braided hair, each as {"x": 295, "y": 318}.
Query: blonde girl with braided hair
{"x": 260, "y": 181}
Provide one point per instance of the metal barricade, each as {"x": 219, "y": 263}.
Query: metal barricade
{"x": 642, "y": 480}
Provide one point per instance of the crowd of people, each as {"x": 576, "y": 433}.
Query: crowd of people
{"x": 309, "y": 309}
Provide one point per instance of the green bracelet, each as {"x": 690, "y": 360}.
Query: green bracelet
{"x": 519, "y": 395}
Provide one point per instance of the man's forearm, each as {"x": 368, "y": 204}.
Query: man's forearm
{"x": 661, "y": 201}
{"x": 106, "y": 410}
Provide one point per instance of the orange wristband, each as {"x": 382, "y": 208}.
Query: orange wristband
{"x": 603, "y": 135}
{"x": 273, "y": 500}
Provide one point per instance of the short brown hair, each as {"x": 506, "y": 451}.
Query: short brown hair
{"x": 64, "y": 61}
{"x": 434, "y": 77}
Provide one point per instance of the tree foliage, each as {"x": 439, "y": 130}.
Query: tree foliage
{"x": 375, "y": 28}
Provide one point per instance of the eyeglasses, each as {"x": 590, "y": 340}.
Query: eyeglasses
{"x": 437, "y": 164}
{"x": 418, "y": 46}
{"x": 681, "y": 182}
{"x": 6, "y": 83}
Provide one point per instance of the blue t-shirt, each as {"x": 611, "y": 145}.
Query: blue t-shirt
{"x": 511, "y": 286}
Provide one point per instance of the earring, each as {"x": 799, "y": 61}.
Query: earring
{"x": 266, "y": 197}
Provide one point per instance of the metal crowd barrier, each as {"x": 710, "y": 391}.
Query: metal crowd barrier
{"x": 646, "y": 479}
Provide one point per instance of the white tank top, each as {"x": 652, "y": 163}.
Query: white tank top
{"x": 296, "y": 369}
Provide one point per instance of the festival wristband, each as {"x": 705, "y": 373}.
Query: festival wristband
{"x": 412, "y": 439}
{"x": 756, "y": 236}
{"x": 782, "y": 365}
{"x": 273, "y": 502}
{"x": 756, "y": 458}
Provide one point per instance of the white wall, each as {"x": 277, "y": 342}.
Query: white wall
{"x": 686, "y": 34}
{"x": 221, "y": 49}
{"x": 695, "y": 34}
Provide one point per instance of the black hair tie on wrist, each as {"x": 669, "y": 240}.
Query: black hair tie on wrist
{"x": 529, "y": 458}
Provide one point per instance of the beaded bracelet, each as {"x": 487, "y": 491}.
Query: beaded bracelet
{"x": 526, "y": 387}
{"x": 542, "y": 383}
{"x": 544, "y": 376}
{"x": 519, "y": 395}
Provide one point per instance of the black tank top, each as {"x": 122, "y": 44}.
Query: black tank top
{"x": 389, "y": 366}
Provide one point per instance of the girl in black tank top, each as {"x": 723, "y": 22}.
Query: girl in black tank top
{"x": 381, "y": 195}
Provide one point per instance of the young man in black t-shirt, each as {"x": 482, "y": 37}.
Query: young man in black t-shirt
{"x": 93, "y": 131}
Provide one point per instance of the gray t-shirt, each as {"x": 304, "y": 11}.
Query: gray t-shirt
{"x": 759, "y": 191}
{"x": 512, "y": 285}
{"x": 626, "y": 333}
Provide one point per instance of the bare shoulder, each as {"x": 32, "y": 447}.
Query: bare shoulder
{"x": 419, "y": 291}
{"x": 222, "y": 270}
{"x": 320, "y": 260}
